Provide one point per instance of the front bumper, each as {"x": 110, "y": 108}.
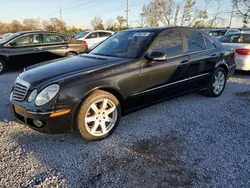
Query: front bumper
{"x": 59, "y": 124}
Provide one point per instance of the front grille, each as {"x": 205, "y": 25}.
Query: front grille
{"x": 20, "y": 90}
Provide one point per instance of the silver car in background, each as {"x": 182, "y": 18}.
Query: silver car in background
{"x": 241, "y": 43}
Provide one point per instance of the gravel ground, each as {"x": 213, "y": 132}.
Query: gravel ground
{"x": 190, "y": 141}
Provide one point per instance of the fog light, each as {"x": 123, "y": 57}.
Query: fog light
{"x": 38, "y": 123}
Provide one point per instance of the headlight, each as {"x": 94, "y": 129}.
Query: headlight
{"x": 32, "y": 95}
{"x": 46, "y": 95}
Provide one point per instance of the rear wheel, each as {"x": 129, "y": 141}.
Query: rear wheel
{"x": 98, "y": 116}
{"x": 217, "y": 83}
{"x": 2, "y": 67}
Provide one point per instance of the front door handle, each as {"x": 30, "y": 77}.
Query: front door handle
{"x": 38, "y": 49}
{"x": 184, "y": 63}
{"x": 63, "y": 47}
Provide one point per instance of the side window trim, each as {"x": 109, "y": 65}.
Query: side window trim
{"x": 205, "y": 37}
{"x": 28, "y": 45}
{"x": 161, "y": 34}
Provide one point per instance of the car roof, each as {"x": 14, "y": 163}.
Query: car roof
{"x": 160, "y": 29}
{"x": 36, "y": 31}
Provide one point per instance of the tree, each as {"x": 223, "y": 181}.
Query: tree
{"x": 30, "y": 24}
{"x": 142, "y": 21}
{"x": 121, "y": 20}
{"x": 109, "y": 23}
{"x": 97, "y": 23}
{"x": 165, "y": 10}
{"x": 150, "y": 13}
{"x": 187, "y": 11}
{"x": 15, "y": 26}
{"x": 242, "y": 9}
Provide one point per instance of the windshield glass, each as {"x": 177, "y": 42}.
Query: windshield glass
{"x": 9, "y": 37}
{"x": 127, "y": 44}
{"x": 81, "y": 35}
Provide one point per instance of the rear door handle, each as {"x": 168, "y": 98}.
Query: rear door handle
{"x": 213, "y": 55}
{"x": 63, "y": 47}
{"x": 184, "y": 63}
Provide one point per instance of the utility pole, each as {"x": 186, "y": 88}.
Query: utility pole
{"x": 127, "y": 10}
{"x": 61, "y": 14}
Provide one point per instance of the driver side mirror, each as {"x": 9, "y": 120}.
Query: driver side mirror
{"x": 156, "y": 56}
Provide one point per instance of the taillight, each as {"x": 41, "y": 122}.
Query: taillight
{"x": 243, "y": 51}
{"x": 85, "y": 45}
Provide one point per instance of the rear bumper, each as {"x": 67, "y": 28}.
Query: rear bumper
{"x": 60, "y": 124}
{"x": 243, "y": 62}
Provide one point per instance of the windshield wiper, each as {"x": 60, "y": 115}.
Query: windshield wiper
{"x": 105, "y": 55}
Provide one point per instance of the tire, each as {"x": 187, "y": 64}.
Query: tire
{"x": 2, "y": 67}
{"x": 211, "y": 91}
{"x": 92, "y": 117}
{"x": 71, "y": 54}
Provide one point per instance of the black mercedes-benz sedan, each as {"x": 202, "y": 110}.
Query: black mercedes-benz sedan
{"x": 26, "y": 48}
{"x": 132, "y": 69}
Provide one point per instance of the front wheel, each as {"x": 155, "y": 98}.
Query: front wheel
{"x": 217, "y": 83}
{"x": 98, "y": 116}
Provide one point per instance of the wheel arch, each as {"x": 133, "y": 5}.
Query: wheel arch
{"x": 222, "y": 65}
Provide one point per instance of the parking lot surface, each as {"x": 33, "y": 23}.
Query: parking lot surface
{"x": 189, "y": 141}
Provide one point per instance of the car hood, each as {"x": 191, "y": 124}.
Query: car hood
{"x": 64, "y": 67}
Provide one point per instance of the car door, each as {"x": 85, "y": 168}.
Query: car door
{"x": 160, "y": 79}
{"x": 54, "y": 46}
{"x": 201, "y": 58}
{"x": 24, "y": 50}
{"x": 92, "y": 39}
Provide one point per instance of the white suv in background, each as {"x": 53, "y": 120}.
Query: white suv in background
{"x": 92, "y": 38}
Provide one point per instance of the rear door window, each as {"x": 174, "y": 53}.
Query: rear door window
{"x": 169, "y": 43}
{"x": 52, "y": 38}
{"x": 92, "y": 36}
{"x": 104, "y": 34}
{"x": 195, "y": 41}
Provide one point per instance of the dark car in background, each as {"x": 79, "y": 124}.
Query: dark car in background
{"x": 131, "y": 69}
{"x": 23, "y": 49}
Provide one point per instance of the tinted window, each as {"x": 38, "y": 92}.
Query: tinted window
{"x": 233, "y": 31}
{"x": 92, "y": 36}
{"x": 209, "y": 43}
{"x": 217, "y": 33}
{"x": 65, "y": 38}
{"x": 51, "y": 38}
{"x": 195, "y": 41}
{"x": 236, "y": 38}
{"x": 104, "y": 34}
{"x": 128, "y": 44}
{"x": 169, "y": 43}
{"x": 27, "y": 40}
{"x": 81, "y": 35}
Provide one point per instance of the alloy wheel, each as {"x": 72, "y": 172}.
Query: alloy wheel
{"x": 1, "y": 67}
{"x": 101, "y": 117}
{"x": 219, "y": 82}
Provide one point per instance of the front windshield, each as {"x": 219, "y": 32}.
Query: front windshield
{"x": 9, "y": 37}
{"x": 81, "y": 35}
{"x": 127, "y": 44}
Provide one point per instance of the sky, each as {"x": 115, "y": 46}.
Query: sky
{"x": 80, "y": 12}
